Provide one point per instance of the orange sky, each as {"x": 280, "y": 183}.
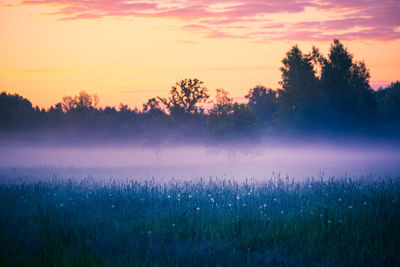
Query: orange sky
{"x": 129, "y": 51}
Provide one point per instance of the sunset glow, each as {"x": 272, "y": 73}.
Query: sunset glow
{"x": 129, "y": 51}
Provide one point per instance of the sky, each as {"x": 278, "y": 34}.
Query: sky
{"x": 131, "y": 50}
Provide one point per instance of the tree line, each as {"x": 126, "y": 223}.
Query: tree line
{"x": 319, "y": 95}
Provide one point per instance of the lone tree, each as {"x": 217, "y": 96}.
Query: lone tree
{"x": 185, "y": 97}
{"x": 83, "y": 101}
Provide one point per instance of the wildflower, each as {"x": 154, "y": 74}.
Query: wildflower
{"x": 212, "y": 200}
{"x": 394, "y": 200}
{"x": 230, "y": 205}
{"x": 173, "y": 225}
{"x": 365, "y": 203}
{"x": 282, "y": 212}
{"x": 265, "y": 205}
{"x": 311, "y": 212}
{"x": 340, "y": 200}
{"x": 149, "y": 232}
{"x": 168, "y": 196}
{"x": 350, "y": 207}
{"x": 237, "y": 197}
{"x": 274, "y": 199}
{"x": 190, "y": 196}
{"x": 198, "y": 208}
{"x": 249, "y": 193}
{"x": 244, "y": 204}
{"x": 209, "y": 195}
{"x": 112, "y": 206}
{"x": 329, "y": 221}
{"x": 110, "y": 195}
{"x": 62, "y": 205}
{"x": 321, "y": 215}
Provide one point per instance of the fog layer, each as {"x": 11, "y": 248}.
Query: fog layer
{"x": 192, "y": 162}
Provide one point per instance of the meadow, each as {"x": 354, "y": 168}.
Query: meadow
{"x": 218, "y": 222}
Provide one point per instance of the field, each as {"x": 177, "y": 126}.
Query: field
{"x": 206, "y": 222}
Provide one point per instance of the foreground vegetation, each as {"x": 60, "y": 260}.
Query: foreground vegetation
{"x": 279, "y": 222}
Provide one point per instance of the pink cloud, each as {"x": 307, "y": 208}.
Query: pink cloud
{"x": 194, "y": 27}
{"x": 217, "y": 34}
{"x": 359, "y": 19}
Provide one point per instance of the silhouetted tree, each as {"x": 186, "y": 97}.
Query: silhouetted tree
{"x": 56, "y": 116}
{"x": 16, "y": 112}
{"x": 349, "y": 99}
{"x": 329, "y": 95}
{"x": 223, "y": 103}
{"x": 186, "y": 96}
{"x": 153, "y": 107}
{"x": 82, "y": 101}
{"x": 228, "y": 120}
{"x": 300, "y": 95}
{"x": 264, "y": 103}
{"x": 389, "y": 107}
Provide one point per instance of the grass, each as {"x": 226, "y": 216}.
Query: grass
{"x": 219, "y": 223}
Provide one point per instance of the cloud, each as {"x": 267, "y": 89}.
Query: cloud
{"x": 298, "y": 20}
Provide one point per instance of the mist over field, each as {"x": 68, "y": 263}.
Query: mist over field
{"x": 199, "y": 133}
{"x": 187, "y": 162}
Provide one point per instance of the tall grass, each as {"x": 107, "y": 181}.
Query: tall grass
{"x": 213, "y": 222}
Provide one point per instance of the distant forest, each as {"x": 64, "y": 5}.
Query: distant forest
{"x": 319, "y": 96}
